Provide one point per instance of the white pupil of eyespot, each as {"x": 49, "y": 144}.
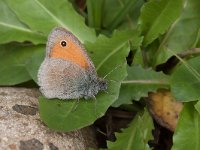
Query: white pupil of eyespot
{"x": 63, "y": 43}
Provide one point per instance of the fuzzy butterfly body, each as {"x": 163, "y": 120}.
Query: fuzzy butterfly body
{"x": 67, "y": 71}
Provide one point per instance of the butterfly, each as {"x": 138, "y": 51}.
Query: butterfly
{"x": 67, "y": 72}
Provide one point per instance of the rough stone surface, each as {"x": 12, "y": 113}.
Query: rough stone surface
{"x": 22, "y": 129}
{"x": 32, "y": 144}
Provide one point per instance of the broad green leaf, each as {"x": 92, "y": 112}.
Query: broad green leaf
{"x": 185, "y": 81}
{"x": 185, "y": 30}
{"x": 187, "y": 133}
{"x": 182, "y": 34}
{"x": 106, "y": 53}
{"x": 34, "y": 63}
{"x": 138, "y": 58}
{"x": 197, "y": 106}
{"x": 138, "y": 83}
{"x": 136, "y": 136}
{"x": 11, "y": 29}
{"x": 157, "y": 16}
{"x": 13, "y": 60}
{"x": 136, "y": 40}
{"x": 135, "y": 43}
{"x": 43, "y": 15}
{"x": 197, "y": 42}
{"x": 13, "y": 74}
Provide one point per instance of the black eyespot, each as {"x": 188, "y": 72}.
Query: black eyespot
{"x": 63, "y": 43}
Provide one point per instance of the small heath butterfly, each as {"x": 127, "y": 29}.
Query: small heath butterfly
{"x": 67, "y": 71}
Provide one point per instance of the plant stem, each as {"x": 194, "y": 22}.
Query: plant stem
{"x": 188, "y": 53}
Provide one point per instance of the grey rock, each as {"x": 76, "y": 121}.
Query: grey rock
{"x": 32, "y": 144}
{"x": 22, "y": 129}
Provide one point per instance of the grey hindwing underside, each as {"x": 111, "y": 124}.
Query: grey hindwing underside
{"x": 64, "y": 79}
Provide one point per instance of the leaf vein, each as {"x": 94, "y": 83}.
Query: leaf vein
{"x": 52, "y": 15}
{"x": 15, "y": 27}
{"x": 109, "y": 55}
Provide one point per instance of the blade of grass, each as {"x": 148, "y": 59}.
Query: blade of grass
{"x": 121, "y": 14}
{"x": 189, "y": 67}
{"x": 94, "y": 8}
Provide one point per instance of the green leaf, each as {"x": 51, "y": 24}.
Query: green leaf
{"x": 135, "y": 56}
{"x": 121, "y": 12}
{"x": 45, "y": 15}
{"x": 197, "y": 106}
{"x": 13, "y": 60}
{"x": 94, "y": 9}
{"x": 187, "y": 133}
{"x": 136, "y": 136}
{"x": 197, "y": 42}
{"x": 11, "y": 29}
{"x": 182, "y": 34}
{"x": 185, "y": 30}
{"x": 157, "y": 16}
{"x": 33, "y": 64}
{"x": 136, "y": 43}
{"x": 185, "y": 81}
{"x": 106, "y": 53}
{"x": 138, "y": 83}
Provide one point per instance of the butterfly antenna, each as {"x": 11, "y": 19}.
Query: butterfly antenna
{"x": 112, "y": 70}
{"x": 109, "y": 74}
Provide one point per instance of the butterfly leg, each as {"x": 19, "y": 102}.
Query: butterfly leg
{"x": 76, "y": 105}
{"x": 94, "y": 97}
{"x": 95, "y": 104}
{"x": 106, "y": 91}
{"x": 113, "y": 81}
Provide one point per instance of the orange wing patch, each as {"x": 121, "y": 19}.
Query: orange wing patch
{"x": 71, "y": 52}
